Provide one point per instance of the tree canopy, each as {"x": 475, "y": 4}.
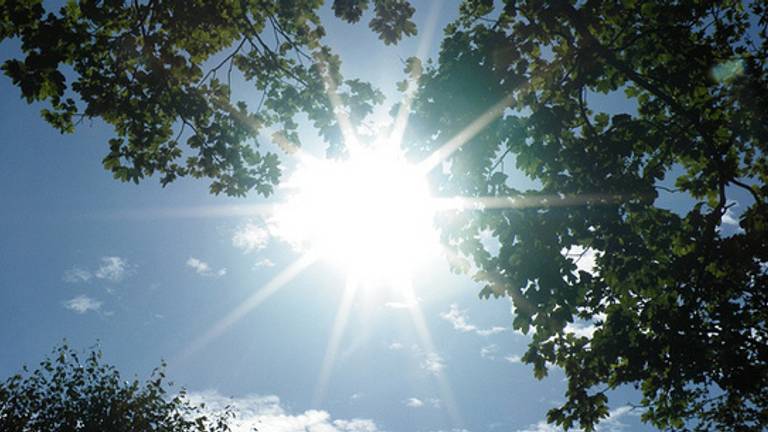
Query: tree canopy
{"x": 142, "y": 67}
{"x": 70, "y": 392}
{"x": 679, "y": 307}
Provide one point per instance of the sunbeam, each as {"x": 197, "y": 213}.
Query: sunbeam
{"x": 257, "y": 298}
{"x": 339, "y": 325}
{"x": 347, "y": 130}
{"x": 465, "y": 135}
{"x": 422, "y": 331}
{"x": 401, "y": 120}
{"x": 529, "y": 201}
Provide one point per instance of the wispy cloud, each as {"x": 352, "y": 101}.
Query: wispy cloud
{"x": 82, "y": 304}
{"x": 267, "y": 414}
{"x": 264, "y": 262}
{"x": 460, "y": 321}
{"x": 76, "y": 274}
{"x": 429, "y": 361}
{"x": 413, "y": 402}
{"x": 489, "y": 351}
{"x": 204, "y": 269}
{"x": 250, "y": 237}
{"x": 432, "y": 362}
{"x": 409, "y": 303}
{"x": 112, "y": 269}
{"x": 514, "y": 359}
{"x": 453, "y": 430}
{"x": 396, "y": 346}
{"x": 490, "y": 331}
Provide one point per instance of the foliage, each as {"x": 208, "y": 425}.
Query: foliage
{"x": 70, "y": 393}
{"x": 140, "y": 67}
{"x": 679, "y": 307}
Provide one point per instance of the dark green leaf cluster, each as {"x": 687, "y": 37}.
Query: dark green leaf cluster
{"x": 73, "y": 393}
{"x": 160, "y": 74}
{"x": 391, "y": 21}
{"x": 679, "y": 308}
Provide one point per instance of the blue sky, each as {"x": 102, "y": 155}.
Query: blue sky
{"x": 148, "y": 271}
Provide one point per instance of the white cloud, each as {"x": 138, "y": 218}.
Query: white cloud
{"x": 585, "y": 259}
{"x": 489, "y": 351}
{"x": 112, "y": 268}
{"x": 514, "y": 359}
{"x": 264, "y": 262}
{"x": 541, "y": 426}
{"x": 612, "y": 423}
{"x": 429, "y": 361}
{"x": 432, "y": 363}
{"x": 356, "y": 425}
{"x": 409, "y": 303}
{"x": 76, "y": 274}
{"x": 586, "y": 329}
{"x": 730, "y": 217}
{"x": 265, "y": 413}
{"x": 459, "y": 320}
{"x": 250, "y": 237}
{"x": 581, "y": 329}
{"x": 396, "y": 346}
{"x": 453, "y": 430}
{"x": 202, "y": 268}
{"x": 413, "y": 403}
{"x": 82, "y": 304}
{"x": 490, "y": 331}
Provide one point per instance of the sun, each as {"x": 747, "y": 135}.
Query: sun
{"x": 371, "y": 214}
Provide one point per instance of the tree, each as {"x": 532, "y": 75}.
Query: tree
{"x": 67, "y": 393}
{"x": 679, "y": 307}
{"x": 139, "y": 66}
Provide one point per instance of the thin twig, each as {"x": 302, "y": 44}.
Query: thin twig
{"x": 230, "y": 57}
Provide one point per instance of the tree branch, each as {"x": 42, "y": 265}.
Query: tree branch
{"x": 748, "y": 188}
{"x": 578, "y": 23}
{"x": 222, "y": 63}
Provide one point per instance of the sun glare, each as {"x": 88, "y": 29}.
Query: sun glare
{"x": 371, "y": 214}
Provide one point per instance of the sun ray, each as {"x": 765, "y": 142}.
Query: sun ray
{"x": 192, "y": 212}
{"x": 401, "y": 120}
{"x": 425, "y": 337}
{"x": 334, "y": 340}
{"x": 257, "y": 298}
{"x": 531, "y": 201}
{"x": 465, "y": 135}
{"x": 347, "y": 130}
